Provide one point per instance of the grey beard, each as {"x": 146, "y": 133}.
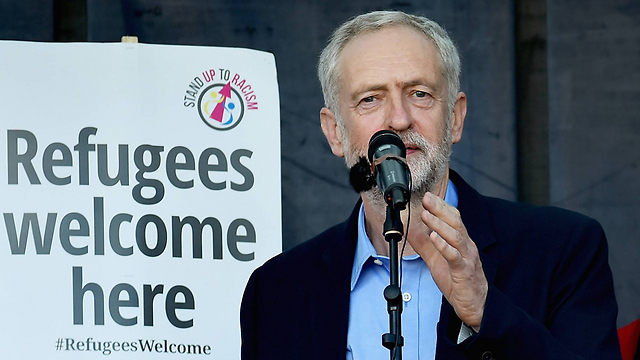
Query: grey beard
{"x": 426, "y": 167}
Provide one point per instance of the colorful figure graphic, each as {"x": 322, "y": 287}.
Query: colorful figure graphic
{"x": 218, "y": 108}
{"x": 218, "y": 113}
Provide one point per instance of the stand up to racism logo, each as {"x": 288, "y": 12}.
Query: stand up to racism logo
{"x": 221, "y": 99}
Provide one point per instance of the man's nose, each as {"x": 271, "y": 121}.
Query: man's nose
{"x": 399, "y": 118}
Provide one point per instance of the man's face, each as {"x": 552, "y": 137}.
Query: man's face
{"x": 391, "y": 79}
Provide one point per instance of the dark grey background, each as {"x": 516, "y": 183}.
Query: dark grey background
{"x": 553, "y": 91}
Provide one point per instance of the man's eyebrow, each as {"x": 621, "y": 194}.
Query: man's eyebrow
{"x": 422, "y": 82}
{"x": 364, "y": 89}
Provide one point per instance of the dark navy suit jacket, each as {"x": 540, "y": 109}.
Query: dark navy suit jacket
{"x": 550, "y": 290}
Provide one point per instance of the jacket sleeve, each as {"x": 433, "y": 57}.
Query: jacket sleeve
{"x": 580, "y": 320}
{"x": 248, "y": 320}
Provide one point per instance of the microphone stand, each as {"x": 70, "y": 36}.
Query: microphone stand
{"x": 387, "y": 155}
{"x": 393, "y": 232}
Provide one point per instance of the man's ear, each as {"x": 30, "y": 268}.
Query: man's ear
{"x": 331, "y": 131}
{"x": 457, "y": 119}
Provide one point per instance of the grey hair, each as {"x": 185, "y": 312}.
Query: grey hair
{"x": 329, "y": 71}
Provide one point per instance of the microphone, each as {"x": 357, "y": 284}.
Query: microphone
{"x": 387, "y": 155}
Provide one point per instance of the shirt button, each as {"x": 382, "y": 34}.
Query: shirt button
{"x": 377, "y": 262}
{"x": 406, "y": 297}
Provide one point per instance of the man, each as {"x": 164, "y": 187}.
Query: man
{"x": 482, "y": 278}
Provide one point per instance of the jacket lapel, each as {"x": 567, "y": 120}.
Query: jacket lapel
{"x": 330, "y": 300}
{"x": 475, "y": 217}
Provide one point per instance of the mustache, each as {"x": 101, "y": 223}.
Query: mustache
{"x": 412, "y": 139}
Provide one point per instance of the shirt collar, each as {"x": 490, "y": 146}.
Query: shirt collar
{"x": 364, "y": 247}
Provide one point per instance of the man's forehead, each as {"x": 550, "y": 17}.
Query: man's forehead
{"x": 371, "y": 53}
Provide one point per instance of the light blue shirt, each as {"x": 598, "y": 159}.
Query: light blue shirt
{"x": 368, "y": 317}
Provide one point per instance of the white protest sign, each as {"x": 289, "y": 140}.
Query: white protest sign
{"x": 140, "y": 187}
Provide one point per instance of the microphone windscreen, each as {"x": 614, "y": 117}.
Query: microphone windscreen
{"x": 385, "y": 137}
{"x": 361, "y": 177}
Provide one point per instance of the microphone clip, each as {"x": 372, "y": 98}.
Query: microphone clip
{"x": 382, "y": 158}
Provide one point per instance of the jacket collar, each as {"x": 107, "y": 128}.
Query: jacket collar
{"x": 474, "y": 212}
{"x": 342, "y": 250}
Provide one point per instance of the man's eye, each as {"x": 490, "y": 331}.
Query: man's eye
{"x": 421, "y": 94}
{"x": 368, "y": 99}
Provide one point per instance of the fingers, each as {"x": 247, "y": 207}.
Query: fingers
{"x": 450, "y": 253}
{"x": 446, "y": 222}
{"x": 443, "y": 211}
{"x": 463, "y": 283}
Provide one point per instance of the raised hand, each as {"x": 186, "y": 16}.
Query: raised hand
{"x": 455, "y": 264}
